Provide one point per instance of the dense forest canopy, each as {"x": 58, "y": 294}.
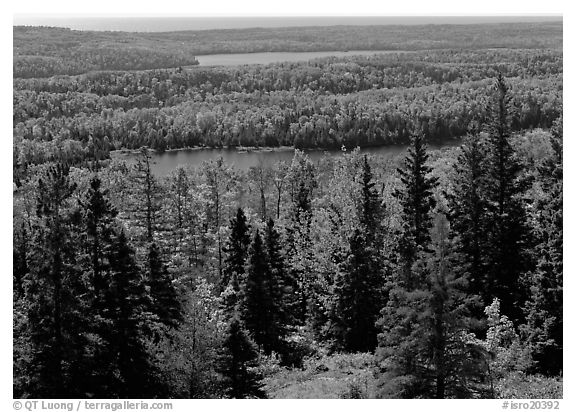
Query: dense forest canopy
{"x": 430, "y": 274}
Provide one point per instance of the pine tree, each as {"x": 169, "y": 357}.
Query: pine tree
{"x": 417, "y": 201}
{"x": 237, "y": 361}
{"x": 165, "y": 302}
{"x": 506, "y": 220}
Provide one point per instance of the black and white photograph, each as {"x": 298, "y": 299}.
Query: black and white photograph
{"x": 286, "y": 207}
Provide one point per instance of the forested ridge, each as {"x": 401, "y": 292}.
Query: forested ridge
{"x": 48, "y": 51}
{"x": 326, "y": 103}
{"x": 432, "y": 274}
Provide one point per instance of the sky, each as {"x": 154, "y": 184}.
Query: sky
{"x": 167, "y": 23}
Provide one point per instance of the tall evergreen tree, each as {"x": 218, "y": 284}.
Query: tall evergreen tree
{"x": 237, "y": 363}
{"x": 302, "y": 183}
{"x": 544, "y": 316}
{"x": 371, "y": 208}
{"x": 359, "y": 297}
{"x": 424, "y": 348}
{"x": 132, "y": 373}
{"x": 99, "y": 219}
{"x": 468, "y": 211}
{"x": 165, "y": 302}
{"x": 506, "y": 229}
{"x": 147, "y": 195}
{"x": 417, "y": 201}
{"x": 279, "y": 286}
{"x": 359, "y": 285}
{"x": 261, "y": 310}
{"x": 53, "y": 288}
{"x": 236, "y": 248}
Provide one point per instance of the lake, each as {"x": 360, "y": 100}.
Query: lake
{"x": 236, "y": 59}
{"x": 164, "y": 163}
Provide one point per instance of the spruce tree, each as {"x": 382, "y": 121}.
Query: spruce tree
{"x": 359, "y": 297}
{"x": 259, "y": 307}
{"x": 279, "y": 287}
{"x": 371, "y": 208}
{"x": 417, "y": 201}
{"x": 99, "y": 220}
{"x": 147, "y": 193}
{"x": 237, "y": 362}
{"x": 236, "y": 249}
{"x": 359, "y": 286}
{"x": 544, "y": 317}
{"x": 302, "y": 182}
{"x": 506, "y": 221}
{"x": 165, "y": 302}
{"x": 53, "y": 289}
{"x": 132, "y": 373}
{"x": 468, "y": 212}
{"x": 424, "y": 348}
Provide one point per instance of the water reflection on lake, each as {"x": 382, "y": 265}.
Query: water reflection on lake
{"x": 164, "y": 163}
{"x": 235, "y": 59}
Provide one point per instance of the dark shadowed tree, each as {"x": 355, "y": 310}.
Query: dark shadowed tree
{"x": 237, "y": 362}
{"x": 165, "y": 302}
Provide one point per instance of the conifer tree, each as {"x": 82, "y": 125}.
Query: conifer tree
{"x": 147, "y": 195}
{"x": 52, "y": 291}
{"x": 371, "y": 208}
{"x": 99, "y": 218}
{"x": 506, "y": 229}
{"x": 237, "y": 363}
{"x": 359, "y": 297}
{"x": 260, "y": 309}
{"x": 165, "y": 302}
{"x": 417, "y": 201}
{"x": 424, "y": 348}
{"x": 301, "y": 185}
{"x": 468, "y": 211}
{"x": 544, "y": 316}
{"x": 236, "y": 248}
{"x": 280, "y": 287}
{"x": 131, "y": 372}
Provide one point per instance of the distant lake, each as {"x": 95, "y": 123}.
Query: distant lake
{"x": 236, "y": 59}
{"x": 164, "y": 163}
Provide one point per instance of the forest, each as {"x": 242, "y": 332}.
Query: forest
{"x": 433, "y": 274}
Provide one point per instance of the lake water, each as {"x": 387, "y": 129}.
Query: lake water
{"x": 164, "y": 163}
{"x": 236, "y": 59}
